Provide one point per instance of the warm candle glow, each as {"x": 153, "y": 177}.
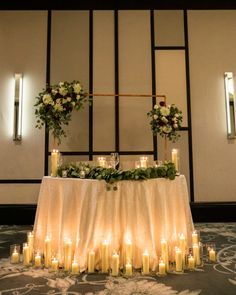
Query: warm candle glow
{"x": 91, "y": 261}
{"x": 105, "y": 256}
{"x": 145, "y": 260}
{"x": 47, "y": 251}
{"x": 162, "y": 267}
{"x": 115, "y": 263}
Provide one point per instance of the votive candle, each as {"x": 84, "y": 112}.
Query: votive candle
{"x": 212, "y": 255}
{"x": 37, "y": 260}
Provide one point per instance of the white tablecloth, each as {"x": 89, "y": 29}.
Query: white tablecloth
{"x": 84, "y": 211}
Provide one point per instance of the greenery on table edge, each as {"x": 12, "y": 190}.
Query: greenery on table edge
{"x": 111, "y": 175}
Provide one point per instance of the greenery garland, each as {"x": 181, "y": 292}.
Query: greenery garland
{"x": 111, "y": 175}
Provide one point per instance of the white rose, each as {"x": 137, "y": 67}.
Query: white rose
{"x": 78, "y": 97}
{"x": 61, "y": 84}
{"x": 58, "y": 100}
{"x": 64, "y": 101}
{"x": 165, "y": 111}
{"x": 176, "y": 115}
{"x": 54, "y": 91}
{"x": 155, "y": 106}
{"x": 155, "y": 117}
{"x": 47, "y": 99}
{"x": 164, "y": 119}
{"x": 63, "y": 91}
{"x": 175, "y": 126}
{"x": 77, "y": 88}
{"x": 73, "y": 103}
{"x": 166, "y": 129}
{"x": 69, "y": 98}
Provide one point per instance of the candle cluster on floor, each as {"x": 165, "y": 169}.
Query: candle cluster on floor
{"x": 184, "y": 258}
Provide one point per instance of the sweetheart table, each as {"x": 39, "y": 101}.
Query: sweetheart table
{"x": 85, "y": 212}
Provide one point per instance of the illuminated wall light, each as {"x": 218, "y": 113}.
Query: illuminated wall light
{"x": 230, "y": 105}
{"x": 18, "y": 107}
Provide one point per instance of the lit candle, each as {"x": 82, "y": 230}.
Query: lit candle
{"x": 115, "y": 262}
{"x": 47, "y": 252}
{"x": 91, "y": 261}
{"x": 145, "y": 260}
{"x": 191, "y": 262}
{"x": 128, "y": 269}
{"x": 164, "y": 253}
{"x": 196, "y": 254}
{"x": 182, "y": 246}
{"x": 30, "y": 240}
{"x": 212, "y": 255}
{"x": 54, "y": 162}
{"x": 143, "y": 162}
{"x": 162, "y": 268}
{"x": 105, "y": 257}
{"x": 178, "y": 260}
{"x": 195, "y": 239}
{"x": 75, "y": 267}
{"x": 102, "y": 161}
{"x": 26, "y": 254}
{"x": 54, "y": 264}
{"x": 15, "y": 256}
{"x": 175, "y": 158}
{"x": 128, "y": 250}
{"x": 67, "y": 254}
{"x": 37, "y": 260}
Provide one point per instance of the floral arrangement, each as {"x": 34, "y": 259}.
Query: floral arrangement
{"x": 166, "y": 120}
{"x": 55, "y": 104}
{"x": 111, "y": 175}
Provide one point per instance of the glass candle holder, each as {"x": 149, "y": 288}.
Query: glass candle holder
{"x": 145, "y": 263}
{"x": 55, "y": 158}
{"x": 26, "y": 254}
{"x": 198, "y": 253}
{"x": 102, "y": 162}
{"x": 161, "y": 268}
{"x": 54, "y": 264}
{"x": 104, "y": 256}
{"x": 115, "y": 264}
{"x": 37, "y": 259}
{"x": 75, "y": 267}
{"x": 178, "y": 260}
{"x": 143, "y": 162}
{"x": 15, "y": 253}
{"x": 190, "y": 262}
{"x": 128, "y": 269}
{"x": 195, "y": 237}
{"x": 175, "y": 158}
{"x": 211, "y": 252}
{"x": 91, "y": 261}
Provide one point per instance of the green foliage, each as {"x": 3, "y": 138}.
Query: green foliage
{"x": 111, "y": 175}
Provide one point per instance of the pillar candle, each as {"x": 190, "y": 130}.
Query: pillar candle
{"x": 196, "y": 254}
{"x": 47, "y": 252}
{"x": 30, "y": 240}
{"x": 145, "y": 260}
{"x": 54, "y": 162}
{"x": 26, "y": 254}
{"x": 67, "y": 254}
{"x": 75, "y": 267}
{"x": 128, "y": 250}
{"x": 115, "y": 263}
{"x": 143, "y": 162}
{"x": 128, "y": 269}
{"x": 37, "y": 260}
{"x": 162, "y": 268}
{"x": 91, "y": 261}
{"x": 195, "y": 239}
{"x": 191, "y": 262}
{"x": 164, "y": 253}
{"x": 182, "y": 246}
{"x": 54, "y": 264}
{"x": 102, "y": 161}
{"x": 105, "y": 257}
{"x": 212, "y": 255}
{"x": 175, "y": 158}
{"x": 15, "y": 257}
{"x": 178, "y": 260}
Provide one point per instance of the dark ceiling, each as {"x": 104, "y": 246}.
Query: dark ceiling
{"x": 116, "y": 4}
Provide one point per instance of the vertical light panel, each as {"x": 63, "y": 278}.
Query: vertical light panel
{"x": 171, "y": 78}
{"x": 135, "y": 78}
{"x": 103, "y": 81}
{"x": 70, "y": 61}
{"x": 169, "y": 28}
{"x": 18, "y": 100}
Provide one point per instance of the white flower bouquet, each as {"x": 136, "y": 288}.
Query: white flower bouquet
{"x": 55, "y": 104}
{"x": 166, "y": 120}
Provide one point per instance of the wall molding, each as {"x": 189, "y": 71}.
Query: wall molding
{"x": 24, "y": 214}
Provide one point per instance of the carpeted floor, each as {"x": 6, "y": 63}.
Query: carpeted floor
{"x": 211, "y": 279}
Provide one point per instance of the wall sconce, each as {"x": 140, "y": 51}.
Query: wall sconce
{"x": 230, "y": 105}
{"x": 18, "y": 107}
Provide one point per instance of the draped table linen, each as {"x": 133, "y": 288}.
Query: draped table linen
{"x": 86, "y": 212}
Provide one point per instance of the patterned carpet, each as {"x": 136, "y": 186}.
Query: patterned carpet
{"x": 215, "y": 279}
